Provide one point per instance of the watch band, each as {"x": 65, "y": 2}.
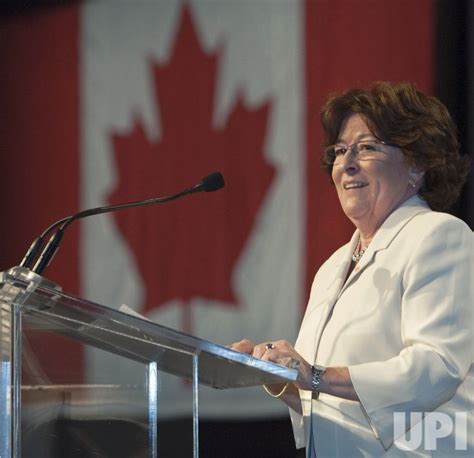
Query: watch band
{"x": 316, "y": 374}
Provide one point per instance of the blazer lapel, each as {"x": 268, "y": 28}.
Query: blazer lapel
{"x": 340, "y": 272}
{"x": 324, "y": 307}
{"x": 386, "y": 233}
{"x": 313, "y": 325}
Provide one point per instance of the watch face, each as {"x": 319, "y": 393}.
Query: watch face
{"x": 317, "y": 372}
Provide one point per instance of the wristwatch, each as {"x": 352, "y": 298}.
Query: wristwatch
{"x": 316, "y": 374}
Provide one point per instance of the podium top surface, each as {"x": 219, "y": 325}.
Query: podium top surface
{"x": 46, "y": 308}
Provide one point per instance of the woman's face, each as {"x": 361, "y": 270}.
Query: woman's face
{"x": 369, "y": 189}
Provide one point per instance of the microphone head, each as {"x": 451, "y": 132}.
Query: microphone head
{"x": 212, "y": 182}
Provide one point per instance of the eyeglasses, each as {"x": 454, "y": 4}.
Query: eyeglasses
{"x": 364, "y": 150}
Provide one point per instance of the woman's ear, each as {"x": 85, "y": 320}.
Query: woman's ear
{"x": 416, "y": 177}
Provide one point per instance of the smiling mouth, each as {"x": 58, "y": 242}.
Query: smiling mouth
{"x": 355, "y": 185}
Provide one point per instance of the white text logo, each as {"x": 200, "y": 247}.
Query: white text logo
{"x": 436, "y": 425}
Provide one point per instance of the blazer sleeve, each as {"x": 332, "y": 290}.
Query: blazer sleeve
{"x": 436, "y": 331}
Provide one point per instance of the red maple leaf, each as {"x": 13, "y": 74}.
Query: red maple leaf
{"x": 189, "y": 249}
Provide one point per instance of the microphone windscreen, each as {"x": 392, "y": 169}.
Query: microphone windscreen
{"x": 212, "y": 182}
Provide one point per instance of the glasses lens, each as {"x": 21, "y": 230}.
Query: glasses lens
{"x": 339, "y": 150}
{"x": 367, "y": 150}
{"x": 333, "y": 152}
{"x": 363, "y": 150}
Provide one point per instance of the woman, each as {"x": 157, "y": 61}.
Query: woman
{"x": 388, "y": 329}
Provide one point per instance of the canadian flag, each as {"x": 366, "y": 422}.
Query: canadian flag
{"x": 107, "y": 102}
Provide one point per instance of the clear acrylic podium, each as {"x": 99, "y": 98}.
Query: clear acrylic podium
{"x": 33, "y": 308}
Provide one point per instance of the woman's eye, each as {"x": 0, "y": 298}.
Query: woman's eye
{"x": 340, "y": 150}
{"x": 366, "y": 147}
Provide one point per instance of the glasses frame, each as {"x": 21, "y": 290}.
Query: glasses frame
{"x": 352, "y": 149}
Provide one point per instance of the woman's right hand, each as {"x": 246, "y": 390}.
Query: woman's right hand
{"x": 290, "y": 396}
{"x": 244, "y": 346}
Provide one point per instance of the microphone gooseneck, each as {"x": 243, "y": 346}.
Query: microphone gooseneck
{"x": 210, "y": 183}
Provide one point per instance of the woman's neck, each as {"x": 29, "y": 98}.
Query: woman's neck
{"x": 365, "y": 239}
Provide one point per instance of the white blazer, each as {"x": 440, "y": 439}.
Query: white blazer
{"x": 403, "y": 325}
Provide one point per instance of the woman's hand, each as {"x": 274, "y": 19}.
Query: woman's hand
{"x": 278, "y": 352}
{"x": 244, "y": 345}
{"x": 283, "y": 353}
{"x": 335, "y": 381}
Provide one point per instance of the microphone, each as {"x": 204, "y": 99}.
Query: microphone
{"x": 210, "y": 183}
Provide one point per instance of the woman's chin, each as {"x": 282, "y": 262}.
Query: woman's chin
{"x": 355, "y": 211}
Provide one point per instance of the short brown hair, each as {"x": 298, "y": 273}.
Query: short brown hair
{"x": 400, "y": 114}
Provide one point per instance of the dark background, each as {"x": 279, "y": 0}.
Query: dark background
{"x": 454, "y": 72}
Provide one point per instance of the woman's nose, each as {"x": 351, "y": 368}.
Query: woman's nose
{"x": 349, "y": 161}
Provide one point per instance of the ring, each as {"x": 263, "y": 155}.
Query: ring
{"x": 269, "y": 346}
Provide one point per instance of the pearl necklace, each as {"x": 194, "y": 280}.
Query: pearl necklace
{"x": 358, "y": 253}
